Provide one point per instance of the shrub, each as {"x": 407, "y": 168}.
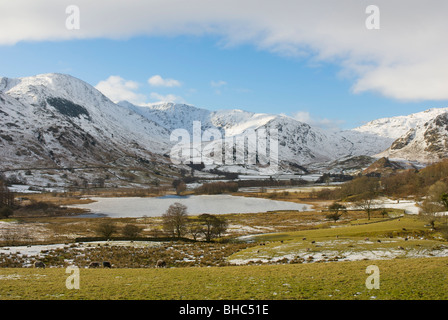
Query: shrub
{"x": 131, "y": 231}
{"x": 6, "y": 212}
{"x": 175, "y": 219}
{"x": 333, "y": 216}
{"x": 106, "y": 229}
{"x": 444, "y": 232}
{"x": 217, "y": 187}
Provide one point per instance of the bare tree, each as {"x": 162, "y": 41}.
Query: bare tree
{"x": 436, "y": 201}
{"x": 179, "y": 186}
{"x": 106, "y": 229}
{"x": 6, "y": 197}
{"x": 429, "y": 210}
{"x": 195, "y": 230}
{"x": 334, "y": 209}
{"x": 438, "y": 193}
{"x": 175, "y": 219}
{"x": 367, "y": 203}
{"x": 131, "y": 231}
{"x": 212, "y": 226}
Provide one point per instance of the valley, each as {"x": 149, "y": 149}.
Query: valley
{"x": 59, "y": 132}
{"x": 86, "y": 181}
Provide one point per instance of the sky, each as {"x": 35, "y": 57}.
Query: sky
{"x": 332, "y": 64}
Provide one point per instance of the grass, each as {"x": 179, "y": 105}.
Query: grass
{"x": 399, "y": 279}
{"x": 404, "y": 237}
{"x": 299, "y": 233}
{"x": 139, "y": 254}
{"x": 359, "y": 228}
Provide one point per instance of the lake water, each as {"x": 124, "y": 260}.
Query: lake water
{"x": 213, "y": 204}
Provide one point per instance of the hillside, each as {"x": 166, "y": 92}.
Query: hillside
{"x": 425, "y": 143}
{"x": 299, "y": 143}
{"x": 384, "y": 167}
{"x": 58, "y": 122}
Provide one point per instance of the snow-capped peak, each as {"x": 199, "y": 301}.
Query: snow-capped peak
{"x": 395, "y": 127}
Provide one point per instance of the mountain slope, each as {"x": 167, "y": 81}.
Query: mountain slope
{"x": 396, "y": 127}
{"x": 425, "y": 143}
{"x": 299, "y": 143}
{"x": 58, "y": 121}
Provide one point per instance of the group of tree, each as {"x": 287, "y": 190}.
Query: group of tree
{"x": 108, "y": 228}
{"x": 6, "y": 201}
{"x": 411, "y": 182}
{"x": 435, "y": 202}
{"x": 429, "y": 184}
{"x": 415, "y": 182}
{"x": 179, "y": 186}
{"x": 271, "y": 182}
{"x": 336, "y": 210}
{"x": 217, "y": 188}
{"x": 177, "y": 223}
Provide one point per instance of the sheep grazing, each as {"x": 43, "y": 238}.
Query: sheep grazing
{"x": 94, "y": 265}
{"x": 107, "y": 264}
{"x": 39, "y": 264}
{"x": 160, "y": 264}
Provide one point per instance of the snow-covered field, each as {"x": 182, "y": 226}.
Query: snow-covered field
{"x": 213, "y": 204}
{"x": 21, "y": 188}
{"x": 284, "y": 252}
{"x": 31, "y": 253}
{"x": 409, "y": 206}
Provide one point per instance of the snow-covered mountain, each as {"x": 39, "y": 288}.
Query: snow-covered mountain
{"x": 60, "y": 115}
{"x": 419, "y": 137}
{"x": 396, "y": 127}
{"x": 299, "y": 143}
{"x": 58, "y": 121}
{"x": 424, "y": 143}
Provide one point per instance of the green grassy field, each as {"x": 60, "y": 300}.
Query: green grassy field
{"x": 399, "y": 279}
{"x": 357, "y": 228}
{"x": 414, "y": 272}
{"x": 406, "y": 237}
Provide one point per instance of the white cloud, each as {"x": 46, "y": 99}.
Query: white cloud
{"x": 158, "y": 81}
{"x": 166, "y": 98}
{"x": 414, "y": 82}
{"x": 118, "y": 89}
{"x": 323, "y": 123}
{"x": 407, "y": 59}
{"x": 217, "y": 84}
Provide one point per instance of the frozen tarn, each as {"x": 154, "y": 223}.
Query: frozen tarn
{"x": 212, "y": 204}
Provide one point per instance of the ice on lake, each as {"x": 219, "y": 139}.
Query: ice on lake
{"x": 198, "y": 204}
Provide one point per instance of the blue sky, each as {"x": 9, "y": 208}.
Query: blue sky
{"x": 219, "y": 70}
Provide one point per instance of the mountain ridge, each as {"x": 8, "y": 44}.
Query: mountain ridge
{"x": 57, "y": 119}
